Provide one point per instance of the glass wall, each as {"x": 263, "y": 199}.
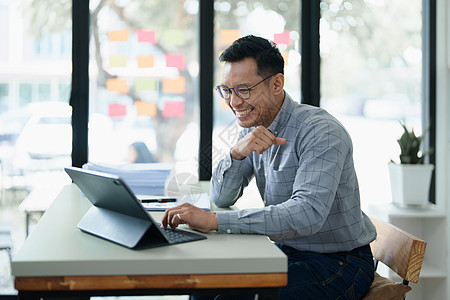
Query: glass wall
{"x": 278, "y": 21}
{"x": 144, "y": 81}
{"x": 371, "y": 78}
{"x": 35, "y": 117}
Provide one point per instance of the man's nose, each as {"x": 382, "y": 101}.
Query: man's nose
{"x": 235, "y": 101}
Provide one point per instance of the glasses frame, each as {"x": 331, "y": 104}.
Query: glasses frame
{"x": 241, "y": 86}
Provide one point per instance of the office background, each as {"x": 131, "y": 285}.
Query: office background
{"x": 145, "y": 70}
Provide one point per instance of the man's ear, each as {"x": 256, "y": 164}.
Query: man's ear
{"x": 278, "y": 83}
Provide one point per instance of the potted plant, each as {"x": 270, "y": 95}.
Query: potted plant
{"x": 411, "y": 178}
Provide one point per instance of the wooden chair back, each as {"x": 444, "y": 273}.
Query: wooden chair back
{"x": 399, "y": 250}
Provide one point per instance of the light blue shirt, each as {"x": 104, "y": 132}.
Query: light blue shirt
{"x": 308, "y": 185}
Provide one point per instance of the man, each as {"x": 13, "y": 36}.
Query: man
{"x": 302, "y": 160}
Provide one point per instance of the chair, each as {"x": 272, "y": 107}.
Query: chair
{"x": 403, "y": 253}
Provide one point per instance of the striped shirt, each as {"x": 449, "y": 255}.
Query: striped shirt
{"x": 308, "y": 185}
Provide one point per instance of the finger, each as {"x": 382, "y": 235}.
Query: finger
{"x": 260, "y": 147}
{"x": 264, "y": 134}
{"x": 279, "y": 141}
{"x": 167, "y": 218}
{"x": 174, "y": 221}
{"x": 164, "y": 220}
{"x": 272, "y": 139}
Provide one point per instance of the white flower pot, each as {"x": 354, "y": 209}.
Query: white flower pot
{"x": 410, "y": 184}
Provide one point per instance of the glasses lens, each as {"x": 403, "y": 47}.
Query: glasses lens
{"x": 223, "y": 91}
{"x": 242, "y": 91}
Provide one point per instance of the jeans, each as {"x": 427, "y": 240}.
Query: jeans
{"x": 318, "y": 276}
{"x": 342, "y": 275}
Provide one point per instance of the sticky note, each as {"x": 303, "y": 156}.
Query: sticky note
{"x": 144, "y": 85}
{"x": 173, "y": 109}
{"x": 117, "y": 61}
{"x": 174, "y": 37}
{"x": 119, "y": 35}
{"x": 282, "y": 38}
{"x": 117, "y": 110}
{"x": 146, "y": 36}
{"x": 145, "y": 108}
{"x": 145, "y": 61}
{"x": 174, "y": 86}
{"x": 228, "y": 36}
{"x": 175, "y": 60}
{"x": 285, "y": 56}
{"x": 117, "y": 85}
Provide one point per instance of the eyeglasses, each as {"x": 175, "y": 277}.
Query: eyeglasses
{"x": 241, "y": 90}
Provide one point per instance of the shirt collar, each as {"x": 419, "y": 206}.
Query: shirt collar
{"x": 283, "y": 115}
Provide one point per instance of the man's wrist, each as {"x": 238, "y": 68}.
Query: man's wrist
{"x": 215, "y": 222}
{"x": 236, "y": 155}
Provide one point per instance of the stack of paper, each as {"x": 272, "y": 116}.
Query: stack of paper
{"x": 144, "y": 179}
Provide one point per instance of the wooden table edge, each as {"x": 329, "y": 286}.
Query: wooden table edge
{"x": 126, "y": 282}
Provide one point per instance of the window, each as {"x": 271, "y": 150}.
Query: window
{"x": 371, "y": 78}
{"x": 4, "y": 97}
{"x": 35, "y": 129}
{"x": 25, "y": 93}
{"x": 144, "y": 81}
{"x": 277, "y": 21}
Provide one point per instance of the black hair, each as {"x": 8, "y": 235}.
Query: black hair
{"x": 143, "y": 154}
{"x": 268, "y": 57}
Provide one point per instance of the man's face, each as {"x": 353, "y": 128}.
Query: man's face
{"x": 260, "y": 108}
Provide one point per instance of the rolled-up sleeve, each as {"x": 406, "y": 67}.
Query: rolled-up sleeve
{"x": 229, "y": 180}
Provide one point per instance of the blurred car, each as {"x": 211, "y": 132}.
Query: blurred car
{"x": 48, "y": 132}
{"x": 12, "y": 123}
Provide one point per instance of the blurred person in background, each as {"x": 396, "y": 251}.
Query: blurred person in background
{"x": 139, "y": 153}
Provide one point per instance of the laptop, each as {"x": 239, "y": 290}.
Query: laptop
{"x": 118, "y": 216}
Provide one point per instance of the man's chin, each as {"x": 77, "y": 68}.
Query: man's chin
{"x": 245, "y": 123}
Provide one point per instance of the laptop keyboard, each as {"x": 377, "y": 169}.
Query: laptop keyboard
{"x": 181, "y": 236}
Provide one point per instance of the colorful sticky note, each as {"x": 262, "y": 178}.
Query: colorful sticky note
{"x": 173, "y": 109}
{"x": 175, "y": 60}
{"x": 117, "y": 61}
{"x": 282, "y": 38}
{"x": 144, "y": 85}
{"x": 285, "y": 56}
{"x": 145, "y": 108}
{"x": 228, "y": 36}
{"x": 174, "y": 86}
{"x": 146, "y": 36}
{"x": 117, "y": 85}
{"x": 145, "y": 61}
{"x": 117, "y": 110}
{"x": 174, "y": 37}
{"x": 119, "y": 35}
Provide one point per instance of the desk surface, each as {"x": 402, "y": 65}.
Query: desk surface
{"x": 57, "y": 247}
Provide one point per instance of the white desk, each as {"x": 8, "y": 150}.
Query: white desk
{"x": 57, "y": 257}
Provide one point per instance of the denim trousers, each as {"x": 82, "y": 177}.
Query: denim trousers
{"x": 317, "y": 276}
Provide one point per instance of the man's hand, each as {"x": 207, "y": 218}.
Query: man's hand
{"x": 259, "y": 140}
{"x": 195, "y": 217}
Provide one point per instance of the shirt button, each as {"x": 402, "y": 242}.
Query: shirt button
{"x": 219, "y": 181}
{"x": 228, "y": 230}
{"x": 276, "y": 132}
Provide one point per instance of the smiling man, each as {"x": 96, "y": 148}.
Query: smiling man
{"x": 302, "y": 160}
